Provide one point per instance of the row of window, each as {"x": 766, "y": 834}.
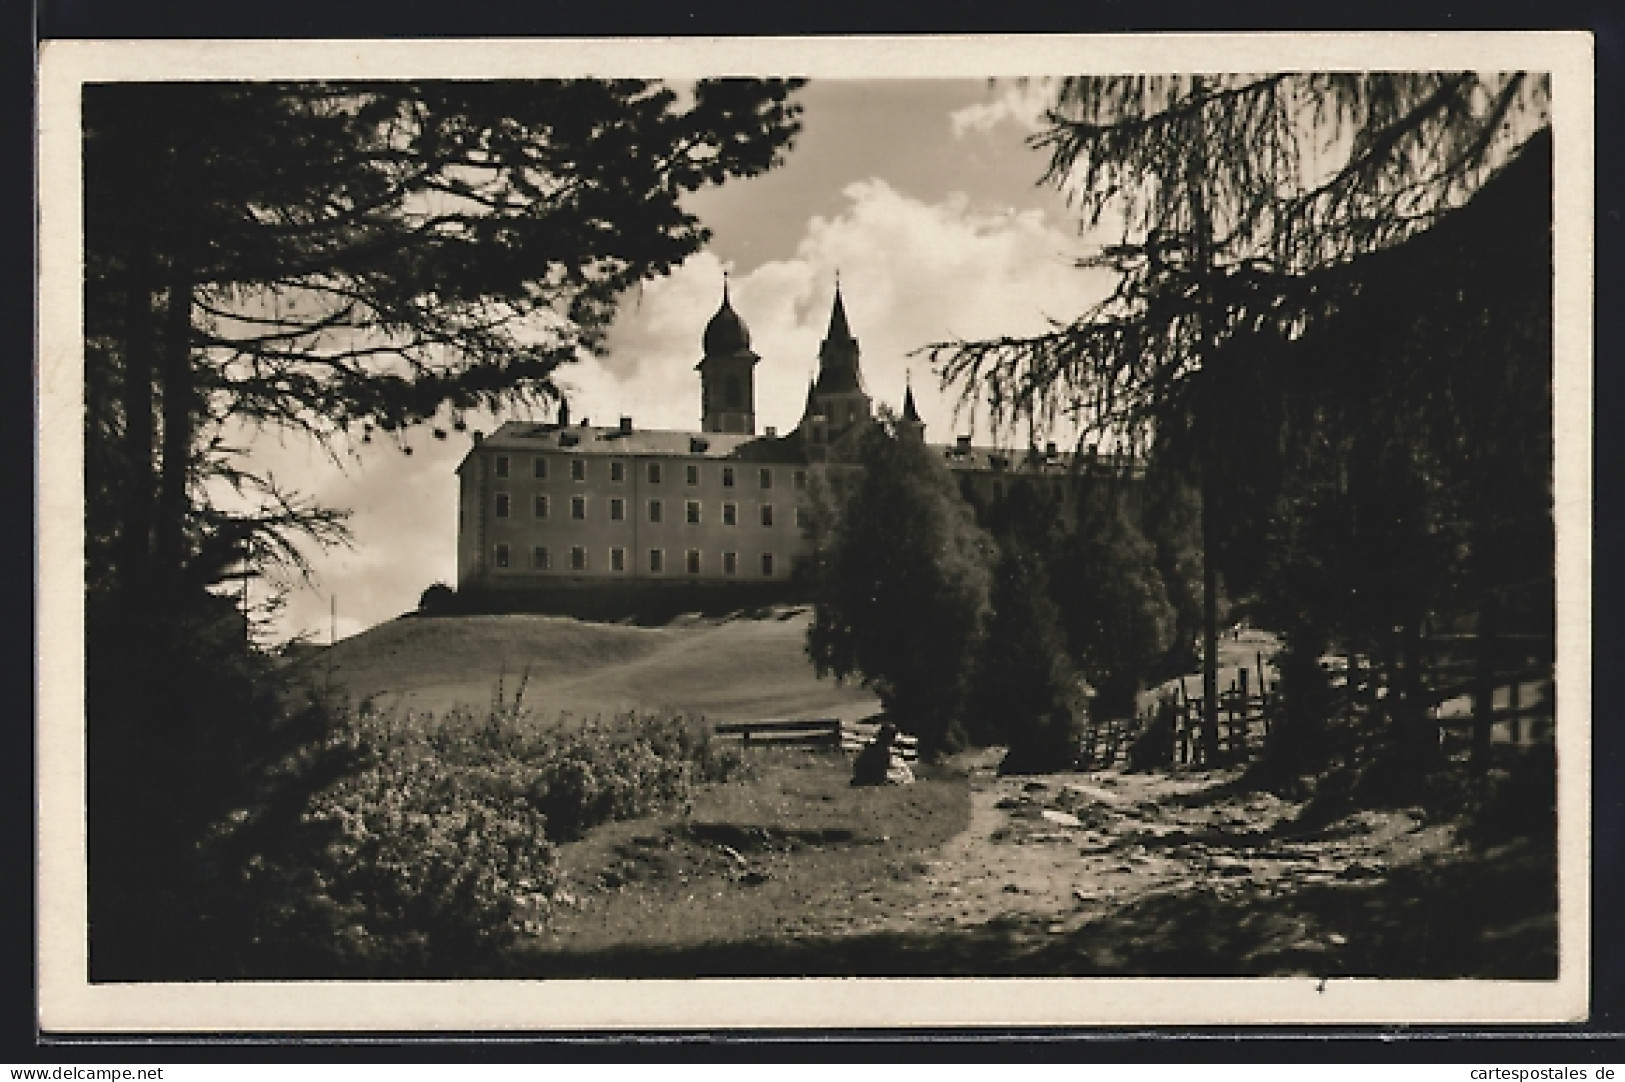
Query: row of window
{"x": 655, "y": 472}
{"x": 541, "y": 507}
{"x": 541, "y": 559}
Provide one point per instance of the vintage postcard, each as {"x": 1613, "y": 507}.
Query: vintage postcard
{"x": 548, "y": 535}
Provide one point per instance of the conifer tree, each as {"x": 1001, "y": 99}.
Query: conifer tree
{"x": 903, "y": 588}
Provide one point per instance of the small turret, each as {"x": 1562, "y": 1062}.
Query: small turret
{"x": 909, "y": 423}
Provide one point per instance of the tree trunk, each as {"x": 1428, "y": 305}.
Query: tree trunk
{"x": 135, "y": 538}
{"x": 179, "y": 403}
{"x": 1210, "y": 622}
{"x": 1202, "y": 228}
{"x": 1489, "y": 630}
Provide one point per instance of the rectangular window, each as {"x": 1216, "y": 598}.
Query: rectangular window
{"x": 617, "y": 559}
{"x": 692, "y": 474}
{"x": 767, "y": 565}
{"x": 502, "y": 465}
{"x": 730, "y": 563}
{"x": 617, "y": 472}
{"x": 800, "y": 477}
{"x": 502, "y": 555}
{"x": 654, "y": 510}
{"x": 727, "y": 477}
{"x": 617, "y": 509}
{"x": 578, "y": 508}
{"x": 767, "y": 514}
{"x": 657, "y": 561}
{"x": 504, "y": 504}
{"x": 693, "y": 561}
{"x": 538, "y": 468}
{"x": 692, "y": 512}
{"x": 578, "y": 558}
{"x": 765, "y": 476}
{"x": 578, "y": 469}
{"x": 538, "y": 507}
{"x": 654, "y": 473}
{"x": 539, "y": 558}
{"x": 730, "y": 514}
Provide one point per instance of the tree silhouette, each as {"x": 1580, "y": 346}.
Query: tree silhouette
{"x": 903, "y": 587}
{"x": 1228, "y": 191}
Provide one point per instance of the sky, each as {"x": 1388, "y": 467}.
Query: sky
{"x": 921, "y": 193}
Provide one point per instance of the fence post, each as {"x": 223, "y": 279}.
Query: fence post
{"x": 1514, "y": 698}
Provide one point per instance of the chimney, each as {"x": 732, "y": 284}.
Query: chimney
{"x": 626, "y": 427}
{"x": 479, "y": 437}
{"x": 585, "y": 423}
{"x": 962, "y": 443}
{"x": 564, "y": 414}
{"x": 1049, "y": 449}
{"x": 771, "y": 432}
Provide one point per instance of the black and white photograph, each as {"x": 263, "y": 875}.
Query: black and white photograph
{"x": 790, "y": 532}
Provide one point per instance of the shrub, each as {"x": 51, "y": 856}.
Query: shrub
{"x": 432, "y": 849}
{"x": 1153, "y": 746}
{"x": 437, "y": 600}
{"x": 1024, "y": 690}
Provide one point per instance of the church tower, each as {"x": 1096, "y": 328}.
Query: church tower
{"x": 727, "y": 373}
{"x": 838, "y": 395}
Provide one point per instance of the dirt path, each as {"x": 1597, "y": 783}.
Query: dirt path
{"x": 1104, "y": 873}
{"x": 1058, "y": 852}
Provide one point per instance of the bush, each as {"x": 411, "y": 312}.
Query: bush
{"x": 1153, "y": 746}
{"x": 434, "y": 850}
{"x": 437, "y": 600}
{"x": 1024, "y": 690}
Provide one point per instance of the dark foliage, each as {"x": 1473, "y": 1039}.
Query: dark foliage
{"x": 902, "y": 591}
{"x": 1025, "y": 692}
{"x": 336, "y": 260}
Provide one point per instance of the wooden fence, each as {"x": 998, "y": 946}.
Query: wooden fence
{"x": 1510, "y": 700}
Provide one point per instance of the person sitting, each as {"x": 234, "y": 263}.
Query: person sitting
{"x": 879, "y": 763}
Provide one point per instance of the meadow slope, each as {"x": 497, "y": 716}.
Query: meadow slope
{"x": 734, "y": 668}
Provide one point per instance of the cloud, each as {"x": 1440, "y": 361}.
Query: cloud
{"x": 912, "y": 272}
{"x": 1021, "y": 104}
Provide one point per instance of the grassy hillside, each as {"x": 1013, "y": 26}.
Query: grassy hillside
{"x": 727, "y": 669}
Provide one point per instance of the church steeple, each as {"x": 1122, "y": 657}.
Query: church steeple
{"x": 836, "y": 402}
{"x": 727, "y": 379}
{"x": 838, "y": 371}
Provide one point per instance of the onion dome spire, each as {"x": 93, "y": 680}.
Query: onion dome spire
{"x": 726, "y": 333}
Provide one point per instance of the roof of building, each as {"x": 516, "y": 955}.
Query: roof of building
{"x": 526, "y": 436}
{"x": 584, "y": 439}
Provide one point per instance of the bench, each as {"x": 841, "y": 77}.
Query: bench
{"x": 818, "y": 732}
{"x": 825, "y": 732}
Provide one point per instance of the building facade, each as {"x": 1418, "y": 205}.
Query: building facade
{"x": 545, "y": 509}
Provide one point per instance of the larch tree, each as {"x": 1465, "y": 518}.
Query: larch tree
{"x": 1226, "y": 191}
